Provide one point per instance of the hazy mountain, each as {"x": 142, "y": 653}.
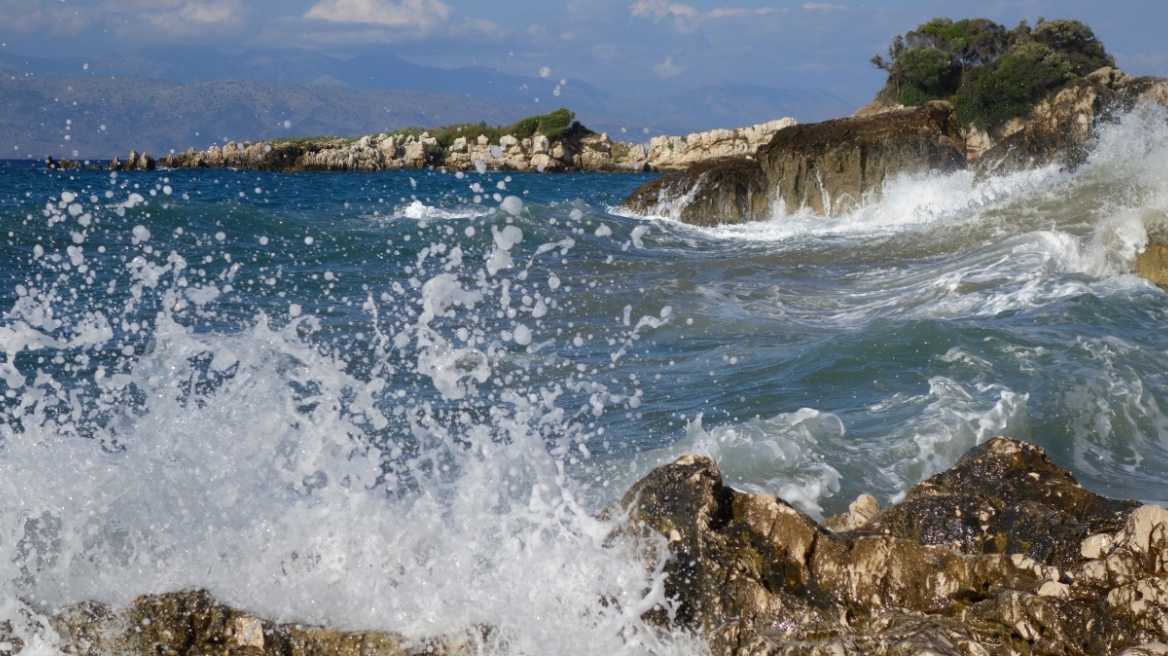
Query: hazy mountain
{"x": 175, "y": 98}
{"x": 102, "y": 117}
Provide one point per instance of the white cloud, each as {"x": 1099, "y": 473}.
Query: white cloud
{"x": 146, "y": 19}
{"x": 687, "y": 17}
{"x": 421, "y": 14}
{"x": 822, "y": 6}
{"x": 668, "y": 69}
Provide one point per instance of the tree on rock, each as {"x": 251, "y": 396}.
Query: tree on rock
{"x": 989, "y": 73}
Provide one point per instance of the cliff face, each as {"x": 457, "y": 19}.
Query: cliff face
{"x": 827, "y": 167}
{"x": 830, "y": 167}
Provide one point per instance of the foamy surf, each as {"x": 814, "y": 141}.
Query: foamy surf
{"x": 373, "y": 402}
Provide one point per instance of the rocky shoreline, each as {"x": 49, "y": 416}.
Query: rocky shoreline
{"x": 1003, "y": 554}
{"x": 832, "y": 167}
{"x": 583, "y": 151}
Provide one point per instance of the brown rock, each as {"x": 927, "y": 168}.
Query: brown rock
{"x": 1152, "y": 264}
{"x": 1005, "y": 496}
{"x": 831, "y": 167}
{"x": 755, "y": 576}
{"x": 725, "y": 191}
{"x": 194, "y": 624}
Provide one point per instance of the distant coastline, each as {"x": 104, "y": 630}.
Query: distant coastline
{"x": 547, "y": 143}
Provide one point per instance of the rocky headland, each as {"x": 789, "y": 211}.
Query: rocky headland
{"x": 831, "y": 167}
{"x": 572, "y": 150}
{"x": 1004, "y": 553}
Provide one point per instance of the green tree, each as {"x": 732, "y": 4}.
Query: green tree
{"x": 990, "y": 73}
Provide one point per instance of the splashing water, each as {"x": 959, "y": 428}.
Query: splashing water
{"x": 383, "y": 402}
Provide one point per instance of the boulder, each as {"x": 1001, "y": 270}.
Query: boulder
{"x": 1061, "y": 129}
{"x": 724, "y": 191}
{"x": 755, "y": 576}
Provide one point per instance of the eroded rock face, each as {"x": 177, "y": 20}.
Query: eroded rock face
{"x": 829, "y": 168}
{"x": 724, "y": 191}
{"x": 1061, "y": 130}
{"x": 756, "y": 576}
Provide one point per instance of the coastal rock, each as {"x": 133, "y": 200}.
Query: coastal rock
{"x": 1061, "y": 129}
{"x": 725, "y": 191}
{"x": 1005, "y": 496}
{"x": 193, "y": 623}
{"x": 828, "y": 168}
{"x": 670, "y": 153}
{"x": 135, "y": 162}
{"x": 755, "y": 576}
{"x": 1152, "y": 264}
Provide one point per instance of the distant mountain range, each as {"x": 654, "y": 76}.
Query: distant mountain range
{"x": 162, "y": 99}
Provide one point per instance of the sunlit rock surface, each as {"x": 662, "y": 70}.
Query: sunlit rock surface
{"x": 668, "y": 153}
{"x": 961, "y": 567}
{"x": 1003, "y": 554}
{"x": 1061, "y": 130}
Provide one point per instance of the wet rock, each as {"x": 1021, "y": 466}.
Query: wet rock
{"x": 726, "y": 191}
{"x": 1061, "y": 130}
{"x": 828, "y": 168}
{"x": 193, "y": 623}
{"x": 831, "y": 167}
{"x": 755, "y": 576}
{"x": 860, "y": 512}
{"x": 1006, "y": 496}
{"x": 1152, "y": 264}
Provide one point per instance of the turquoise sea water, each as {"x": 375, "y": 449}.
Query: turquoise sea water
{"x": 395, "y": 401}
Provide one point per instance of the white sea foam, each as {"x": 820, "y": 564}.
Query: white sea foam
{"x": 257, "y": 464}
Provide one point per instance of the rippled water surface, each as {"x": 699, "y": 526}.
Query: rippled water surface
{"x": 397, "y": 400}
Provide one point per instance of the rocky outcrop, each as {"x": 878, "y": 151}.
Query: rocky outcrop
{"x": 386, "y": 152}
{"x": 1061, "y": 129}
{"x": 831, "y": 167}
{"x": 679, "y": 153}
{"x": 583, "y": 151}
{"x": 135, "y": 162}
{"x": 194, "y": 624}
{"x": 1004, "y": 554}
{"x": 732, "y": 190}
{"x": 828, "y": 168}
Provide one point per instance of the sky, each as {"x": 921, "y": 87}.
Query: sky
{"x": 650, "y": 47}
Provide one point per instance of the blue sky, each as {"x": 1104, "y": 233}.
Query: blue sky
{"x": 629, "y": 46}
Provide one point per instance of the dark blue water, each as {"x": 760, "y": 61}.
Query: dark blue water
{"x": 394, "y": 400}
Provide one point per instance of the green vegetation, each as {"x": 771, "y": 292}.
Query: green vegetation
{"x": 989, "y": 73}
{"x": 556, "y": 126}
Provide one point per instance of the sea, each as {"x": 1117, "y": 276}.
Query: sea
{"x": 401, "y": 401}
